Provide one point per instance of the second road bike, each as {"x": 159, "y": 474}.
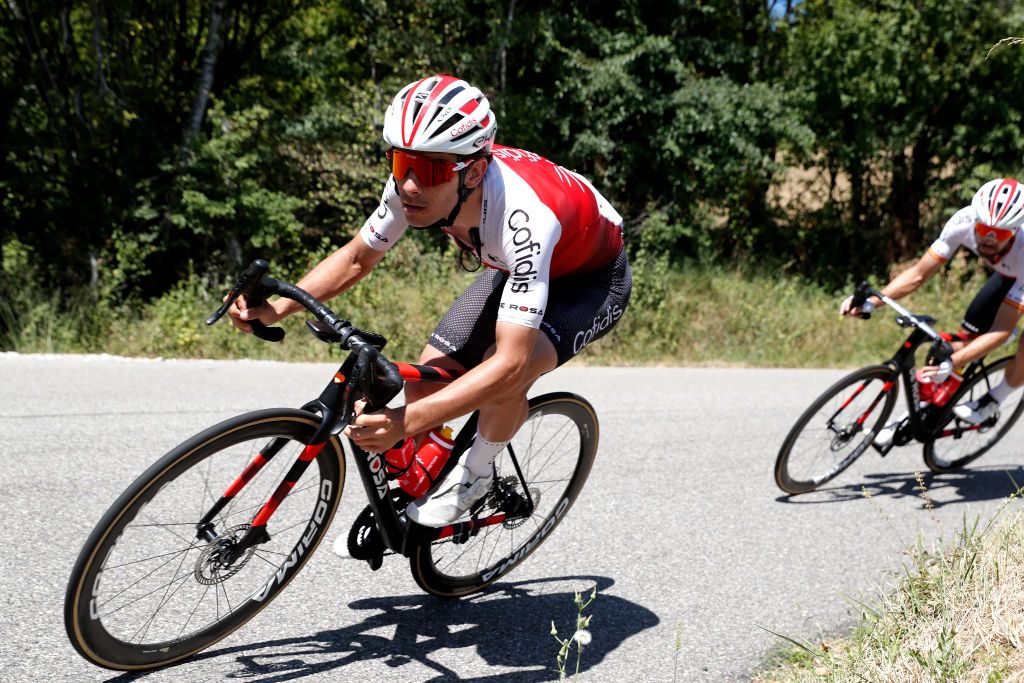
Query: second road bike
{"x": 842, "y": 423}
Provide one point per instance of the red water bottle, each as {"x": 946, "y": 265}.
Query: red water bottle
{"x": 398, "y": 458}
{"x": 416, "y": 474}
{"x": 925, "y": 388}
{"x": 945, "y": 391}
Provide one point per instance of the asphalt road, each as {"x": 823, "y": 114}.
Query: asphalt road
{"x": 694, "y": 552}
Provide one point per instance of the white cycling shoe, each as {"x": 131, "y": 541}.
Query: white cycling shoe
{"x": 976, "y": 412}
{"x": 883, "y": 439}
{"x": 450, "y": 499}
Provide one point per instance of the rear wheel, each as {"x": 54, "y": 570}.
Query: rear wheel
{"x": 552, "y": 453}
{"x": 147, "y": 589}
{"x": 956, "y": 442}
{"x": 836, "y": 429}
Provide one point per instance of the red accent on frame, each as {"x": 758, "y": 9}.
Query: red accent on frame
{"x": 426, "y": 373}
{"x": 311, "y": 451}
{"x": 409, "y": 373}
{"x": 951, "y": 432}
{"x": 855, "y": 395}
{"x": 246, "y": 476}
{"x": 472, "y": 524}
{"x": 283, "y": 489}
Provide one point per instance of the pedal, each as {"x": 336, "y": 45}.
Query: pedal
{"x": 365, "y": 541}
{"x": 901, "y": 437}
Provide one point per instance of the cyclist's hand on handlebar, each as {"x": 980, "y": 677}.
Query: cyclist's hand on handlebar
{"x": 240, "y": 314}
{"x": 847, "y": 307}
{"x": 377, "y": 432}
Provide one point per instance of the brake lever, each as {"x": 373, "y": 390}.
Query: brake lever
{"x": 248, "y": 285}
{"x": 860, "y": 300}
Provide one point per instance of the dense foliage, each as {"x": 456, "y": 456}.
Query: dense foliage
{"x": 145, "y": 142}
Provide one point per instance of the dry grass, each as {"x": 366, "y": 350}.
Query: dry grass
{"x": 956, "y": 615}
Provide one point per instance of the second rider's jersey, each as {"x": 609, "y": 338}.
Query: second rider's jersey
{"x": 538, "y": 222}
{"x": 959, "y": 232}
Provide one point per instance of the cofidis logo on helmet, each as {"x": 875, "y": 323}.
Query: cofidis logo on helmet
{"x": 522, "y": 270}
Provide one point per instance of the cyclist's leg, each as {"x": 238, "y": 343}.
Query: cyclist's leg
{"x": 981, "y": 312}
{"x": 979, "y": 318}
{"x": 580, "y": 309}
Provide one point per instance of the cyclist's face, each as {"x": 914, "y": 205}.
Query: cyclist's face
{"x": 991, "y": 241}
{"x": 424, "y": 204}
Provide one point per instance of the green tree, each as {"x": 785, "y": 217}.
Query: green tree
{"x": 905, "y": 107}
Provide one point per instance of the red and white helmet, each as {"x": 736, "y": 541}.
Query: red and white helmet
{"x": 1000, "y": 203}
{"x": 440, "y": 114}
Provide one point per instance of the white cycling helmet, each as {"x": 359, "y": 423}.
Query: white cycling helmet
{"x": 1000, "y": 203}
{"x": 440, "y": 114}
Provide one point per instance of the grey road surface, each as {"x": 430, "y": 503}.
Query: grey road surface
{"x": 693, "y": 550}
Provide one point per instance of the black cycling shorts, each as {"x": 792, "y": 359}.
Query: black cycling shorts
{"x": 580, "y": 309}
{"x": 983, "y": 309}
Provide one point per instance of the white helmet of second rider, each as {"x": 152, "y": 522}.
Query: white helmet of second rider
{"x": 440, "y": 114}
{"x": 1000, "y": 203}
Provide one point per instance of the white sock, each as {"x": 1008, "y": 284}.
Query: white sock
{"x": 481, "y": 455}
{"x": 1001, "y": 391}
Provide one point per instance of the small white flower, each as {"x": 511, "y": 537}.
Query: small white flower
{"x": 582, "y": 637}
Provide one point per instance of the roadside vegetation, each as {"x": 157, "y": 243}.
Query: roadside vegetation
{"x": 954, "y": 615}
{"x": 691, "y": 314}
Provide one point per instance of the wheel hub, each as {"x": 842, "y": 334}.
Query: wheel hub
{"x": 212, "y": 566}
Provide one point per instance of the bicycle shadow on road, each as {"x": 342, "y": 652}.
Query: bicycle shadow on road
{"x": 509, "y": 626}
{"x": 969, "y": 485}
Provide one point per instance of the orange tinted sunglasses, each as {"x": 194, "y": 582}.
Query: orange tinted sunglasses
{"x": 982, "y": 230}
{"x": 430, "y": 171}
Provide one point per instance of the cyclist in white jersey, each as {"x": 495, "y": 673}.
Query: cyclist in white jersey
{"x": 988, "y": 228}
{"x": 557, "y": 277}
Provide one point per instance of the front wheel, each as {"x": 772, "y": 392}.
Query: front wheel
{"x": 148, "y": 588}
{"x": 552, "y": 453}
{"x": 956, "y": 442}
{"x": 836, "y": 429}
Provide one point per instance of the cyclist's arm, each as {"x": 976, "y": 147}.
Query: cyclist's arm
{"x": 329, "y": 278}
{"x": 913, "y": 277}
{"x": 901, "y": 285}
{"x": 337, "y": 273}
{"x": 1006, "y": 319}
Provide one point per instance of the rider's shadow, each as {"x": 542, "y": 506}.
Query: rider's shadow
{"x": 509, "y": 626}
{"x": 974, "y": 484}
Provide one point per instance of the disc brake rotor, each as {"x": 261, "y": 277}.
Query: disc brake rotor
{"x": 210, "y": 567}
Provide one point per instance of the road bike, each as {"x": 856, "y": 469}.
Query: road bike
{"x": 208, "y": 535}
{"x": 842, "y": 423}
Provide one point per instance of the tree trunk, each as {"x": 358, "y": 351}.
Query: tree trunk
{"x": 909, "y": 185}
{"x": 208, "y": 65}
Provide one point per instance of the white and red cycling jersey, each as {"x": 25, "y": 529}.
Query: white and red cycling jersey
{"x": 538, "y": 222}
{"x": 959, "y": 232}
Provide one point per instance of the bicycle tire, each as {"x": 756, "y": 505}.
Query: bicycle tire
{"x": 148, "y": 538}
{"x": 790, "y": 475}
{"x": 973, "y": 388}
{"x": 559, "y": 437}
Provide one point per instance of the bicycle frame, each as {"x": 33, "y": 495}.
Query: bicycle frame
{"x": 903, "y": 366}
{"x": 365, "y": 374}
